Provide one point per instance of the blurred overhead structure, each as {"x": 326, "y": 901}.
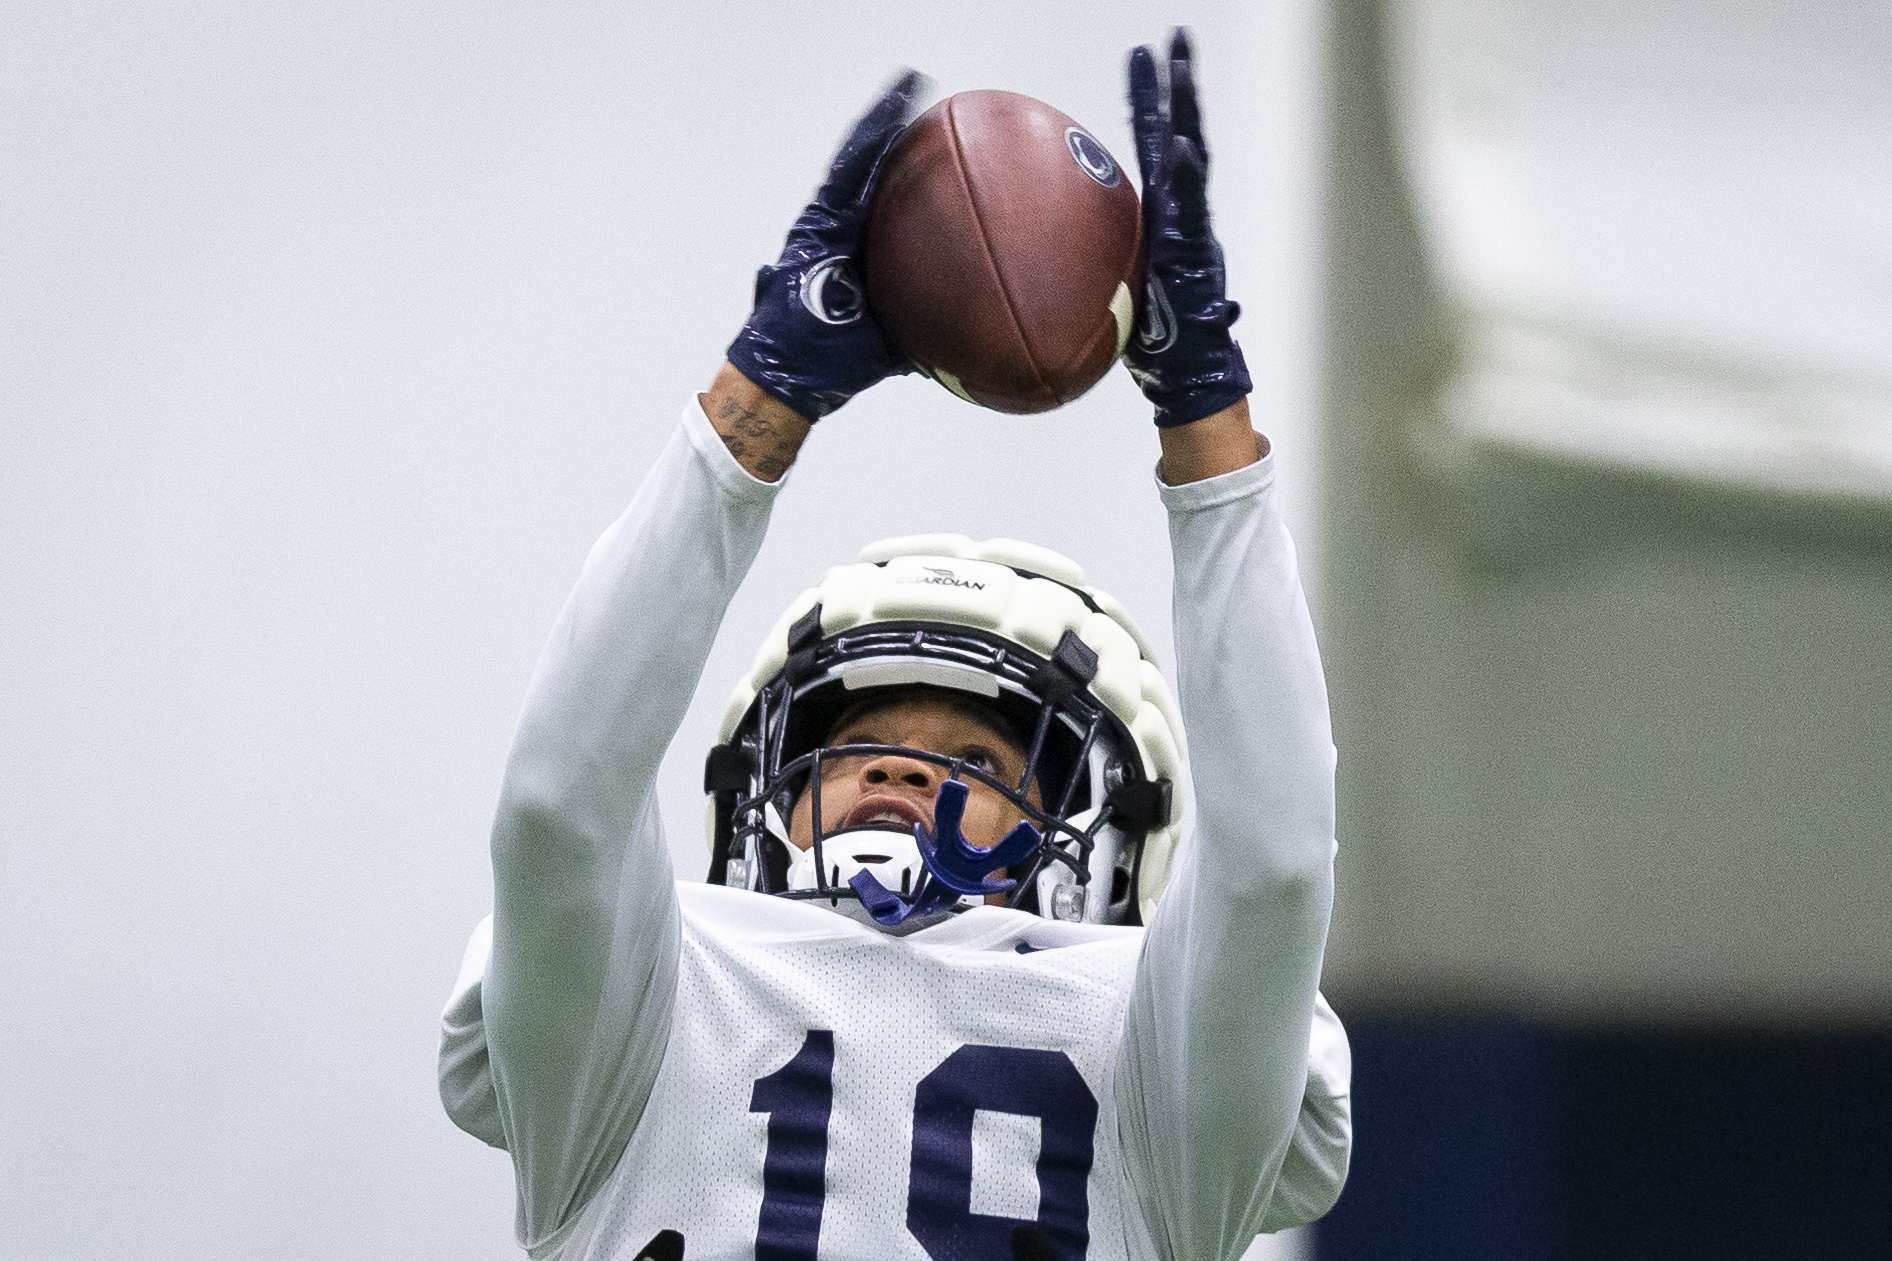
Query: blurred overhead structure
{"x": 1665, "y": 231}
{"x": 1609, "y": 557}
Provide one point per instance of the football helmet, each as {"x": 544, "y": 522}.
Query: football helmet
{"x": 1014, "y": 626}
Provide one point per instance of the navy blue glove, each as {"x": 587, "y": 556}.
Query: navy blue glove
{"x": 810, "y": 341}
{"x": 1182, "y": 354}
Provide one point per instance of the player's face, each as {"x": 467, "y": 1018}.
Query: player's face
{"x": 892, "y": 791}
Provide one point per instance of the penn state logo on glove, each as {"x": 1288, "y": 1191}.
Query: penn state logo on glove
{"x": 831, "y": 293}
{"x": 815, "y": 365}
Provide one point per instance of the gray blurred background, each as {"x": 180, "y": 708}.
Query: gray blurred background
{"x": 330, "y": 338}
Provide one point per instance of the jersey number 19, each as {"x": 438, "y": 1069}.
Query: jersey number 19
{"x": 799, "y": 1097}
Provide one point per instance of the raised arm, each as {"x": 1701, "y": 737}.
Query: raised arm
{"x": 576, "y": 998}
{"x": 1216, "y": 1055}
{"x": 575, "y": 1001}
{"x": 1221, "y": 1085}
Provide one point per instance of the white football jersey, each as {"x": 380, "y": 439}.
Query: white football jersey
{"x": 827, "y": 1083}
{"x": 780, "y": 1082}
{"x": 797, "y": 1033}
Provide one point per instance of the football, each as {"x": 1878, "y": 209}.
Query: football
{"x": 1003, "y": 242}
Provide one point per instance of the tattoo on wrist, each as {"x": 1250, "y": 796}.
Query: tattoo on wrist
{"x": 768, "y": 465}
{"x": 750, "y": 436}
{"x": 763, "y": 434}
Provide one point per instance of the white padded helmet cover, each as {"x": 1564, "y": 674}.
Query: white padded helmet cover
{"x": 1021, "y": 592}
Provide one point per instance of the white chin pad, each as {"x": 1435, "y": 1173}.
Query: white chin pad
{"x": 892, "y": 857}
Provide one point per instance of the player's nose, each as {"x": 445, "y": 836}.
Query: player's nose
{"x": 890, "y": 770}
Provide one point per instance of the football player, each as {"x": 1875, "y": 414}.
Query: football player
{"x": 991, "y": 958}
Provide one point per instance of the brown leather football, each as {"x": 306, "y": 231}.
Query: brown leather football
{"x": 1002, "y": 249}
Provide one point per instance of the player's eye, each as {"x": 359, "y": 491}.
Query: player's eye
{"x": 980, "y": 757}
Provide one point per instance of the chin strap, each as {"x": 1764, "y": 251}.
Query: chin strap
{"x": 955, "y": 867}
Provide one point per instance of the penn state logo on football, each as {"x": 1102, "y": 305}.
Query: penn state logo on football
{"x": 831, "y": 293}
{"x": 1092, "y": 158}
{"x": 1157, "y": 332}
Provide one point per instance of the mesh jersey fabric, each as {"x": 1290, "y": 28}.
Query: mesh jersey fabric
{"x": 757, "y": 974}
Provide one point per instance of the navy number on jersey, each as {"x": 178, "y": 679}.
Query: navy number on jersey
{"x": 798, "y": 1098}
{"x": 1042, "y": 1084}
{"x": 1045, "y": 1085}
